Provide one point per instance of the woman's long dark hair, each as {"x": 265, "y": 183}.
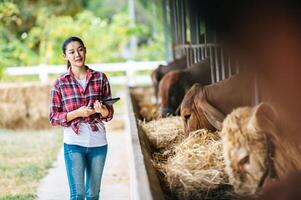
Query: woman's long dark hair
{"x": 66, "y": 42}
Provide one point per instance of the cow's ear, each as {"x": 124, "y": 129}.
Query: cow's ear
{"x": 264, "y": 118}
{"x": 213, "y": 115}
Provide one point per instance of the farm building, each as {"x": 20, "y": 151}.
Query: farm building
{"x": 216, "y": 153}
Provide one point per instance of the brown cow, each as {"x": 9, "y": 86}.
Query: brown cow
{"x": 175, "y": 84}
{"x": 286, "y": 189}
{"x": 207, "y": 106}
{"x": 158, "y": 73}
{"x": 258, "y": 149}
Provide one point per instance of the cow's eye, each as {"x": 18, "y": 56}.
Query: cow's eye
{"x": 186, "y": 117}
{"x": 244, "y": 160}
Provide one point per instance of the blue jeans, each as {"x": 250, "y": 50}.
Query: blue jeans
{"x": 81, "y": 161}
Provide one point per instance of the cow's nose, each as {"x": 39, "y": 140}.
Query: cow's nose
{"x": 165, "y": 111}
{"x": 186, "y": 117}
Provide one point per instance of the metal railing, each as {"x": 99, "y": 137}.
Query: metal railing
{"x": 221, "y": 65}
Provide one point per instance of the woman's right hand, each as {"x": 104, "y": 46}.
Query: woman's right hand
{"x": 85, "y": 111}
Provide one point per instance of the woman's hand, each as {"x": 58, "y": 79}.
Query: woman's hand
{"x": 85, "y": 111}
{"x": 100, "y": 108}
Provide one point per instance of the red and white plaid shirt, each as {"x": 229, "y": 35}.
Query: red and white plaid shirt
{"x": 68, "y": 95}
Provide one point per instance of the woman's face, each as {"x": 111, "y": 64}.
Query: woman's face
{"x": 75, "y": 54}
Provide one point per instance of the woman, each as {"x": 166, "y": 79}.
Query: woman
{"x": 75, "y": 105}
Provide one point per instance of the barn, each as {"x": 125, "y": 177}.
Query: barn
{"x": 253, "y": 55}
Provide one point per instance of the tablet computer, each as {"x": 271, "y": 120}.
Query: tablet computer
{"x": 110, "y": 101}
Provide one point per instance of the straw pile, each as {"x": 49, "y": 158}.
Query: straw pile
{"x": 188, "y": 168}
{"x": 144, "y": 96}
{"x": 195, "y": 168}
{"x": 163, "y": 132}
{"x": 24, "y": 106}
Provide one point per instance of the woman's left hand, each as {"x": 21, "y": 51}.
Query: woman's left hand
{"x": 100, "y": 108}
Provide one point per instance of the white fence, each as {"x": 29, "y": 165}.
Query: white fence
{"x": 129, "y": 68}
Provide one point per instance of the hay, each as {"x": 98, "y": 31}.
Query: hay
{"x": 148, "y": 109}
{"x": 24, "y": 106}
{"x": 149, "y": 112}
{"x": 163, "y": 132}
{"x": 11, "y": 113}
{"x": 194, "y": 169}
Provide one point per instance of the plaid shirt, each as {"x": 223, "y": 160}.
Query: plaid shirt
{"x": 68, "y": 95}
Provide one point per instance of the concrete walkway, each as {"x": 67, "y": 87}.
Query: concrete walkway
{"x": 115, "y": 182}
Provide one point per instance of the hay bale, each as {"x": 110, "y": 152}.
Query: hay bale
{"x": 11, "y": 114}
{"x": 163, "y": 132}
{"x": 195, "y": 169}
{"x": 24, "y": 106}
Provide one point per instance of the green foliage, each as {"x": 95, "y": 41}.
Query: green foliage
{"x": 9, "y": 13}
{"x": 35, "y": 33}
{"x": 153, "y": 50}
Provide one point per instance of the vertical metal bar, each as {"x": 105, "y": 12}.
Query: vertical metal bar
{"x": 172, "y": 26}
{"x": 178, "y": 21}
{"x": 165, "y": 31}
{"x": 194, "y": 54}
{"x": 216, "y": 59}
{"x": 202, "y": 53}
{"x": 175, "y": 21}
{"x": 187, "y": 56}
{"x": 205, "y": 38}
{"x": 197, "y": 36}
{"x": 192, "y": 58}
{"x": 191, "y": 55}
{"x": 183, "y": 24}
{"x": 183, "y": 6}
{"x": 229, "y": 67}
{"x": 211, "y": 65}
{"x": 223, "y": 64}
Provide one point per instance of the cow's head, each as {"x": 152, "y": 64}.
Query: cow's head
{"x": 156, "y": 76}
{"x": 247, "y": 148}
{"x": 192, "y": 116}
{"x": 171, "y": 92}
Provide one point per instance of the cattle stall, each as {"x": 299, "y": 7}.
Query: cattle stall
{"x": 185, "y": 27}
{"x": 192, "y": 38}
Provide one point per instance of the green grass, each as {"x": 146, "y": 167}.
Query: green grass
{"x": 25, "y": 158}
{"x": 18, "y": 197}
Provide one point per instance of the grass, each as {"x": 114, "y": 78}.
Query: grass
{"x": 25, "y": 158}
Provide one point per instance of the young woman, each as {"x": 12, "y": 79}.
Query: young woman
{"x": 75, "y": 105}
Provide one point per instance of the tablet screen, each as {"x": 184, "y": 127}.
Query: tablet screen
{"x": 110, "y": 101}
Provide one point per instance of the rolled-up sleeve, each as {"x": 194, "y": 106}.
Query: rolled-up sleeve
{"x": 57, "y": 116}
{"x": 106, "y": 91}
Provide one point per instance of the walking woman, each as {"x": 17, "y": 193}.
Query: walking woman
{"x": 75, "y": 105}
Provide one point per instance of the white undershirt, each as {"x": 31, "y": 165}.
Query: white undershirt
{"x": 86, "y": 137}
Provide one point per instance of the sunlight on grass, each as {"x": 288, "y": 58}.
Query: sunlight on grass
{"x": 24, "y": 159}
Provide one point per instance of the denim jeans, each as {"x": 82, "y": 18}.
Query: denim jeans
{"x": 84, "y": 161}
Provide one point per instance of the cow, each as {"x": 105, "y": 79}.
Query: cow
{"x": 286, "y": 189}
{"x": 258, "y": 149}
{"x": 175, "y": 84}
{"x": 207, "y": 106}
{"x": 158, "y": 73}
